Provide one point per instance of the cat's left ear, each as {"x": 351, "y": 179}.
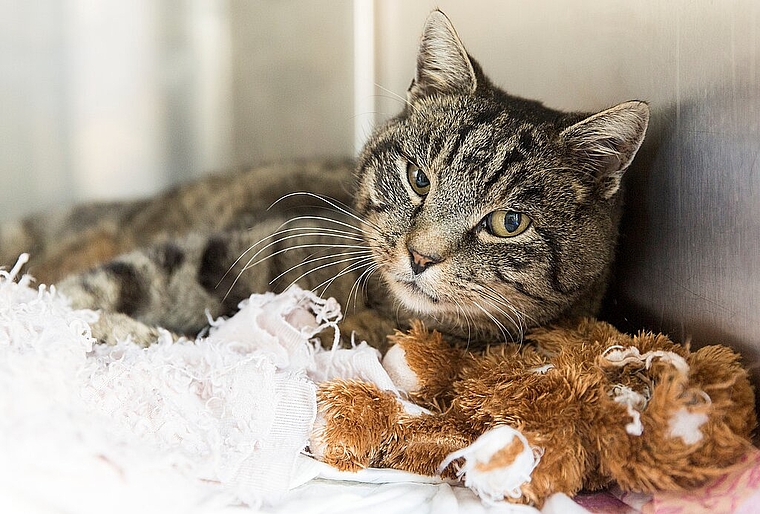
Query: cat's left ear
{"x": 605, "y": 143}
{"x": 443, "y": 65}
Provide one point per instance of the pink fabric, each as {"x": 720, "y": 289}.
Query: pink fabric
{"x": 604, "y": 503}
{"x": 737, "y": 492}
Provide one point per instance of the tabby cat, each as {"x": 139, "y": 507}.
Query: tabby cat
{"x": 481, "y": 213}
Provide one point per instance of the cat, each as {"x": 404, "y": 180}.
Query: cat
{"x": 481, "y": 213}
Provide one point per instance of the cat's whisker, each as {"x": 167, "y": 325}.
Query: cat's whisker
{"x": 329, "y": 201}
{"x": 499, "y": 303}
{"x": 369, "y": 233}
{"x": 324, "y": 285}
{"x": 364, "y": 283}
{"x": 251, "y": 263}
{"x": 357, "y": 231}
{"x": 516, "y": 323}
{"x": 367, "y": 261}
{"x": 503, "y": 301}
{"x": 504, "y": 331}
{"x": 351, "y": 269}
{"x": 397, "y": 96}
{"x": 278, "y": 240}
{"x": 514, "y": 320}
{"x": 359, "y": 283}
{"x": 301, "y": 247}
{"x": 312, "y": 260}
{"x": 319, "y": 229}
{"x": 462, "y": 312}
{"x": 521, "y": 324}
{"x": 303, "y": 232}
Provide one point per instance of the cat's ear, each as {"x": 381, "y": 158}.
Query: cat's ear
{"x": 443, "y": 65}
{"x": 605, "y": 143}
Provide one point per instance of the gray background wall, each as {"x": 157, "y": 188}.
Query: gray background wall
{"x": 118, "y": 99}
{"x": 110, "y": 99}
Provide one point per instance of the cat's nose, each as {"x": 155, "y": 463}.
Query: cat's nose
{"x": 422, "y": 262}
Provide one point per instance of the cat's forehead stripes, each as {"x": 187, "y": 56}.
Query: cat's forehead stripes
{"x": 481, "y": 155}
{"x": 510, "y": 156}
{"x": 462, "y": 148}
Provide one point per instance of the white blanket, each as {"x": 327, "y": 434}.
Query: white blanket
{"x": 212, "y": 425}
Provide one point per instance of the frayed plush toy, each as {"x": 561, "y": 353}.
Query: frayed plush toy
{"x": 574, "y": 407}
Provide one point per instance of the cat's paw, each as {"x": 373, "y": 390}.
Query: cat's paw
{"x": 354, "y": 423}
{"x": 112, "y": 327}
{"x": 498, "y": 465}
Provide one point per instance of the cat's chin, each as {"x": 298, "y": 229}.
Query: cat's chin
{"x": 415, "y": 299}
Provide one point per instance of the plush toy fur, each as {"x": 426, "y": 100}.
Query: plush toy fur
{"x": 575, "y": 407}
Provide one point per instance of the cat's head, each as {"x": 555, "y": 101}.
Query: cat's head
{"x": 488, "y": 212}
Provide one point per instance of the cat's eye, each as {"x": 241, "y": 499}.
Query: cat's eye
{"x": 417, "y": 179}
{"x": 503, "y": 223}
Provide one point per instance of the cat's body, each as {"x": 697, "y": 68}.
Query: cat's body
{"x": 480, "y": 213}
{"x": 71, "y": 240}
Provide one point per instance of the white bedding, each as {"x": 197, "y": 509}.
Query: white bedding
{"x": 213, "y": 425}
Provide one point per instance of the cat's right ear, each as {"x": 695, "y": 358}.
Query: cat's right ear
{"x": 443, "y": 65}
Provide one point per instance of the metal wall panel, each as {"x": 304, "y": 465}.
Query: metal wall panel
{"x": 293, "y": 79}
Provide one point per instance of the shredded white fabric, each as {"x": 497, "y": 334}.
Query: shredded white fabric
{"x": 362, "y": 362}
{"x": 495, "y": 483}
{"x": 621, "y": 356}
{"x": 232, "y": 411}
{"x": 683, "y": 423}
{"x": 542, "y": 370}
{"x": 634, "y": 403}
{"x": 207, "y": 426}
{"x": 686, "y": 425}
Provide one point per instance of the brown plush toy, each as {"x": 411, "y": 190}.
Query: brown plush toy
{"x": 573, "y": 407}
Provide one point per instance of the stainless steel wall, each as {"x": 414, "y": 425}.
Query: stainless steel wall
{"x": 293, "y": 79}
